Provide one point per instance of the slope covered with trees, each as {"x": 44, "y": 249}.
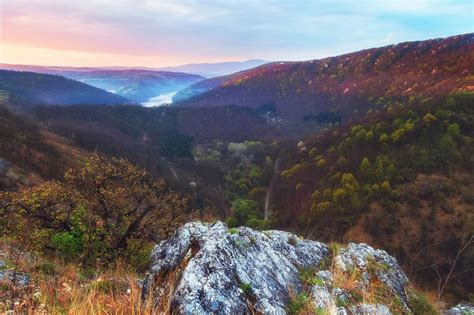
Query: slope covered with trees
{"x": 29, "y": 153}
{"x": 400, "y": 178}
{"x": 138, "y": 85}
{"x": 43, "y": 89}
{"x": 348, "y": 85}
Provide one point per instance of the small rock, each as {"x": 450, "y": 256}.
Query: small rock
{"x": 461, "y": 309}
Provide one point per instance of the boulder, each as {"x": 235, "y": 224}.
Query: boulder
{"x": 209, "y": 268}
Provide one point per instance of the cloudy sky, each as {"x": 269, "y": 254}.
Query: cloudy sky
{"x": 170, "y": 32}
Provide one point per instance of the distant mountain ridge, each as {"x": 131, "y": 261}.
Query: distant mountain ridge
{"x": 210, "y": 70}
{"x": 349, "y": 84}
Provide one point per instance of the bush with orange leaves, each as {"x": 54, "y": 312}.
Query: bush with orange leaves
{"x": 104, "y": 209}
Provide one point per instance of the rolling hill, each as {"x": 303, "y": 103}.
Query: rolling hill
{"x": 138, "y": 85}
{"x": 347, "y": 85}
{"x": 28, "y": 89}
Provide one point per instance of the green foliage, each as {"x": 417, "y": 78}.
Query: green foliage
{"x": 257, "y": 224}
{"x": 67, "y": 244}
{"x": 244, "y": 209}
{"x": 246, "y": 185}
{"x": 234, "y": 231}
{"x": 47, "y": 268}
{"x": 429, "y": 118}
{"x": 298, "y": 303}
{"x": 137, "y": 254}
{"x": 364, "y": 171}
{"x": 246, "y": 288}
{"x": 103, "y": 210}
{"x": 321, "y": 163}
{"x": 364, "y": 166}
{"x": 176, "y": 145}
{"x": 293, "y": 170}
{"x": 420, "y": 304}
{"x": 232, "y": 222}
{"x": 454, "y": 130}
{"x": 383, "y": 138}
{"x": 397, "y": 135}
{"x": 307, "y": 276}
{"x": 386, "y": 187}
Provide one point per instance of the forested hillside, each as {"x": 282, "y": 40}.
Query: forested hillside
{"x": 347, "y": 85}
{"x": 400, "y": 178}
{"x": 29, "y": 153}
{"x": 31, "y": 89}
{"x": 138, "y": 85}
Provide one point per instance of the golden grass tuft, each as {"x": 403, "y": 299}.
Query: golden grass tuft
{"x": 112, "y": 292}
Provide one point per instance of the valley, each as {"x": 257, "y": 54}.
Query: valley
{"x": 374, "y": 147}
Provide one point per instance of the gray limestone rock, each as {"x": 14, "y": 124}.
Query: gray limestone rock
{"x": 208, "y": 268}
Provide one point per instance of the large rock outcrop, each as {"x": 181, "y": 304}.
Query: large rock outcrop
{"x": 209, "y": 268}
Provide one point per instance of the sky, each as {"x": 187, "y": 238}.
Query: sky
{"x": 154, "y": 33}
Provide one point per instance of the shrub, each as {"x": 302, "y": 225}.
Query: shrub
{"x": 234, "y": 231}
{"x": 321, "y": 163}
{"x": 67, "y": 244}
{"x": 420, "y": 304}
{"x": 453, "y": 130}
{"x": 258, "y": 224}
{"x": 94, "y": 214}
{"x": 46, "y": 268}
{"x": 429, "y": 118}
{"x": 297, "y": 303}
{"x": 232, "y": 222}
{"x": 364, "y": 166}
{"x": 307, "y": 276}
{"x": 386, "y": 187}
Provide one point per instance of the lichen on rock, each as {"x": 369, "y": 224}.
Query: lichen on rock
{"x": 209, "y": 268}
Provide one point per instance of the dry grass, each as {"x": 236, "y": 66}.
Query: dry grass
{"x": 300, "y": 303}
{"x": 350, "y": 281}
{"x": 63, "y": 289}
{"x": 115, "y": 292}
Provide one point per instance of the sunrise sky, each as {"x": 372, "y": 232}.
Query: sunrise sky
{"x": 156, "y": 33}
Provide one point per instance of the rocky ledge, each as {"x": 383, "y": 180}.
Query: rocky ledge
{"x": 209, "y": 268}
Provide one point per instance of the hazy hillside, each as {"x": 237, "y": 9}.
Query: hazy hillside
{"x": 209, "y": 70}
{"x": 30, "y": 89}
{"x": 347, "y": 85}
{"x": 138, "y": 85}
{"x": 199, "y": 87}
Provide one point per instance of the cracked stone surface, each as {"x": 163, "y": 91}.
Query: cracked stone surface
{"x": 209, "y": 268}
